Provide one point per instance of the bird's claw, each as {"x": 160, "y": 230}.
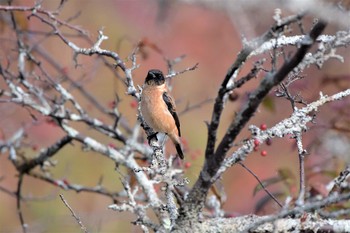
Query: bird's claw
{"x": 150, "y": 137}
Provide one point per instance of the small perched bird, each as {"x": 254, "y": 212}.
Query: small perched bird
{"x": 158, "y": 108}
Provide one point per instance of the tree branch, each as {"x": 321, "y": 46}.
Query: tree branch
{"x": 194, "y": 203}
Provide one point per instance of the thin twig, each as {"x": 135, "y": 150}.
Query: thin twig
{"x": 261, "y": 183}
{"x": 98, "y": 189}
{"x": 301, "y": 154}
{"x": 189, "y": 107}
{"x": 9, "y": 192}
{"x": 76, "y": 217}
{"x": 18, "y": 198}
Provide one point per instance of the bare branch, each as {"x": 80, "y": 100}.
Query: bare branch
{"x": 214, "y": 161}
{"x": 19, "y": 206}
{"x": 44, "y": 155}
{"x": 297, "y": 122}
{"x": 301, "y": 153}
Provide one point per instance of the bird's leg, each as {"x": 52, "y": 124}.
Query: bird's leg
{"x": 150, "y": 137}
{"x": 164, "y": 140}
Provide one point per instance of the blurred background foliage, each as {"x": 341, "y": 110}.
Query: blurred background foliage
{"x": 208, "y": 36}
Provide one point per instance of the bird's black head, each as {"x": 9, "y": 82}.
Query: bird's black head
{"x": 155, "y": 77}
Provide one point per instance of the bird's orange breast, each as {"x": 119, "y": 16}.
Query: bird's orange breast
{"x": 155, "y": 111}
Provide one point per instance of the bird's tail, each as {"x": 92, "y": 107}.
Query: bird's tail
{"x": 179, "y": 150}
{"x": 176, "y": 140}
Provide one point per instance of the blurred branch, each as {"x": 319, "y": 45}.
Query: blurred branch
{"x": 342, "y": 38}
{"x": 98, "y": 189}
{"x": 189, "y": 107}
{"x": 19, "y": 206}
{"x": 173, "y": 74}
{"x": 9, "y": 192}
{"x": 331, "y": 11}
{"x": 44, "y": 155}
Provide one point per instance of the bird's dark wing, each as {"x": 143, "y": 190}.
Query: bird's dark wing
{"x": 171, "y": 107}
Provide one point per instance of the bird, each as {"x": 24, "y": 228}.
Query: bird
{"x": 158, "y": 109}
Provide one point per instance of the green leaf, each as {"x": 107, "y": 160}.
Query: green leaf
{"x": 269, "y": 103}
